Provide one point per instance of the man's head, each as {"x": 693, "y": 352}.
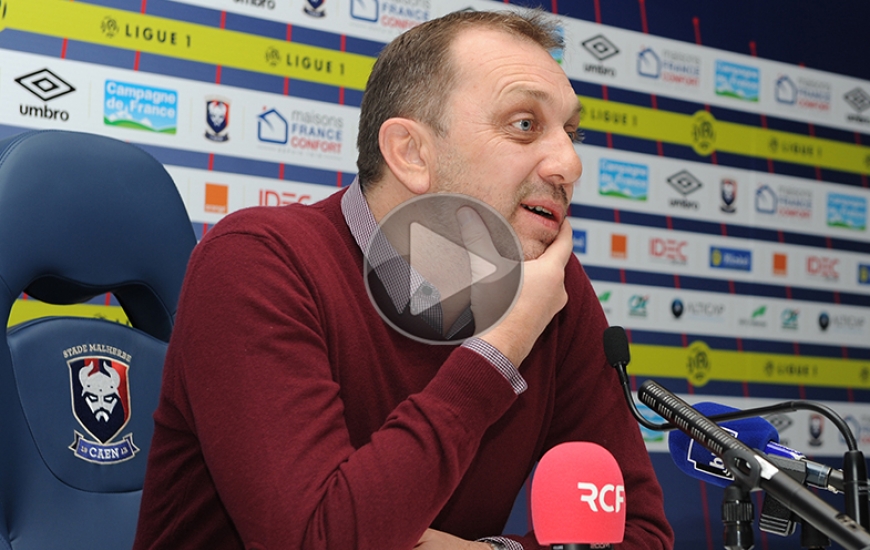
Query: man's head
{"x": 415, "y": 74}
{"x": 474, "y": 103}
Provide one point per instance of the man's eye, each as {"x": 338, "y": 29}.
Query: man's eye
{"x": 525, "y": 124}
{"x": 577, "y": 136}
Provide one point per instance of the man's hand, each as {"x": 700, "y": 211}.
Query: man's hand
{"x": 542, "y": 296}
{"x": 495, "y": 276}
{"x": 438, "y": 540}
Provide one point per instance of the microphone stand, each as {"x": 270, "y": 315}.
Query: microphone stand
{"x": 856, "y": 488}
{"x": 737, "y": 515}
{"x": 752, "y": 470}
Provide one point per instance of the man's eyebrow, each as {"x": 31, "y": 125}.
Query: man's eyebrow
{"x": 544, "y": 97}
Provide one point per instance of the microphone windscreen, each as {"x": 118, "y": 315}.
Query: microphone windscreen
{"x": 696, "y": 461}
{"x": 616, "y": 346}
{"x": 578, "y": 496}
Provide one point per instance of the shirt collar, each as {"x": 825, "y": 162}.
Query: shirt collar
{"x": 364, "y": 228}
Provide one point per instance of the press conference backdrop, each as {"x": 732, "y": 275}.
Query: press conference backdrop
{"x": 722, "y": 213}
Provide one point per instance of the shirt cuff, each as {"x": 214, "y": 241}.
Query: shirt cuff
{"x": 506, "y": 543}
{"x": 501, "y": 363}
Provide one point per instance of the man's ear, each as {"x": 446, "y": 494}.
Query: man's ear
{"x": 406, "y": 147}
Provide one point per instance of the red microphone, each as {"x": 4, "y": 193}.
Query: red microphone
{"x": 578, "y": 497}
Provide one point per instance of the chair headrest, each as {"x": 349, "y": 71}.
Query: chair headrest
{"x": 74, "y": 209}
{"x": 87, "y": 388}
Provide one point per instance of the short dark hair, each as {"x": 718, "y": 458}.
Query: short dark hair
{"x": 413, "y": 75}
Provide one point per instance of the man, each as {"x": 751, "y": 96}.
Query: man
{"x": 293, "y": 416}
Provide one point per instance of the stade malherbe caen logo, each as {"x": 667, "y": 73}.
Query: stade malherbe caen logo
{"x": 100, "y": 392}
{"x": 217, "y": 119}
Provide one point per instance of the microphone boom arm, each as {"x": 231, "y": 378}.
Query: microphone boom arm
{"x": 753, "y": 470}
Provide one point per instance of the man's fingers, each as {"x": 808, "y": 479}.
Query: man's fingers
{"x": 475, "y": 235}
{"x": 483, "y": 255}
{"x": 562, "y": 247}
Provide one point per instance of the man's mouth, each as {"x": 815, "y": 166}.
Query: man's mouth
{"x": 541, "y": 211}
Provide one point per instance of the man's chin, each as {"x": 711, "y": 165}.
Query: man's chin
{"x": 533, "y": 248}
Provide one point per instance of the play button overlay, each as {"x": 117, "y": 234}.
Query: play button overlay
{"x": 444, "y": 267}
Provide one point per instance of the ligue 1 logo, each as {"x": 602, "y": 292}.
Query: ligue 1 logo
{"x": 100, "y": 394}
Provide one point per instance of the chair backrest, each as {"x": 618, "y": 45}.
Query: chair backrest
{"x": 81, "y": 216}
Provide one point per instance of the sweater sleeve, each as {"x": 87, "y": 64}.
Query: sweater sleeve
{"x": 249, "y": 374}
{"x": 590, "y": 406}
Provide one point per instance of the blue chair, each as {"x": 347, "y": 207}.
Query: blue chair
{"x": 80, "y": 216}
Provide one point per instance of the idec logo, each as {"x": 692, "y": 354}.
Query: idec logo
{"x": 619, "y": 246}
{"x": 780, "y": 264}
{"x": 823, "y": 267}
{"x": 217, "y": 198}
{"x": 670, "y": 251}
{"x": 270, "y": 197}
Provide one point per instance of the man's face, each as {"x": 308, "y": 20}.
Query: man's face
{"x": 510, "y": 122}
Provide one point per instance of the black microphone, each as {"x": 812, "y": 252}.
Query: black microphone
{"x": 759, "y": 434}
{"x": 855, "y": 484}
{"x": 618, "y": 355}
{"x": 752, "y": 470}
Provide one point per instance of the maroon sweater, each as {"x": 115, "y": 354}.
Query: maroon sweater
{"x": 292, "y": 416}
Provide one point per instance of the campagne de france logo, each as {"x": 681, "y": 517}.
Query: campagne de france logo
{"x": 737, "y": 81}
{"x": 139, "y": 107}
{"x": 100, "y": 394}
{"x": 624, "y": 180}
{"x": 847, "y": 211}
